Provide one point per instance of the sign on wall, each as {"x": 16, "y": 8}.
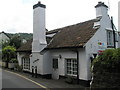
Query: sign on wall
{"x": 101, "y": 48}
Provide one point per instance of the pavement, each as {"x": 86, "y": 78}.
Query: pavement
{"x": 49, "y": 83}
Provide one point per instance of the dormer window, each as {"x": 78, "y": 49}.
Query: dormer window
{"x": 110, "y": 42}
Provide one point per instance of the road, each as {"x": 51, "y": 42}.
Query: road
{"x": 13, "y": 80}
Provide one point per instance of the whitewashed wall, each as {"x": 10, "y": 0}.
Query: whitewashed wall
{"x": 19, "y": 57}
{"x": 43, "y": 64}
{"x": 38, "y": 63}
{"x": 61, "y": 62}
{"x": 66, "y": 54}
{"x": 47, "y": 63}
{"x": 99, "y": 36}
{"x": 39, "y": 32}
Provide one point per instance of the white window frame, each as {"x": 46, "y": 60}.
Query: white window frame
{"x": 71, "y": 66}
{"x": 26, "y": 63}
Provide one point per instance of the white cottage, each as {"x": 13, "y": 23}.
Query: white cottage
{"x": 67, "y": 51}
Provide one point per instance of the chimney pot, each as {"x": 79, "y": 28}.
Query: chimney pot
{"x": 100, "y": 2}
{"x": 39, "y": 2}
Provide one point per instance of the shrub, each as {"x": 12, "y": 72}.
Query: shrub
{"x": 18, "y": 68}
{"x": 106, "y": 69}
{"x": 13, "y": 60}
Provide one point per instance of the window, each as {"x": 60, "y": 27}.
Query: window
{"x": 71, "y": 67}
{"x": 26, "y": 63}
{"x": 109, "y": 38}
{"x": 55, "y": 63}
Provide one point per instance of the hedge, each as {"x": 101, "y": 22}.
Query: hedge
{"x": 106, "y": 69}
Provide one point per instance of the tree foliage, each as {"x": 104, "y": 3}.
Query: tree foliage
{"x": 8, "y": 53}
{"x": 109, "y": 61}
{"x": 14, "y": 41}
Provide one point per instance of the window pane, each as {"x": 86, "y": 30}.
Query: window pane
{"x": 72, "y": 66}
{"x": 55, "y": 63}
{"x": 110, "y": 38}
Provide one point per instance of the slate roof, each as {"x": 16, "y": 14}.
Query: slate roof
{"x": 67, "y": 37}
{"x": 27, "y": 47}
{"x": 5, "y": 34}
{"x": 73, "y": 36}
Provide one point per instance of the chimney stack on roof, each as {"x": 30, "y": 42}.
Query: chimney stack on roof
{"x": 39, "y": 31}
{"x": 101, "y": 9}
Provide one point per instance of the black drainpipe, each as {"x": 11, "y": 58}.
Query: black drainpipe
{"x": 113, "y": 32}
{"x": 77, "y": 66}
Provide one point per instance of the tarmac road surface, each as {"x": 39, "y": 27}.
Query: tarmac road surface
{"x": 13, "y": 80}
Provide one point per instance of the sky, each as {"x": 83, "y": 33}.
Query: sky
{"x": 17, "y": 15}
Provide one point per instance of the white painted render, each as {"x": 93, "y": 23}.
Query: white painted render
{"x": 100, "y": 36}
{"x": 101, "y": 11}
{"x": 20, "y": 55}
{"x": 38, "y": 63}
{"x": 39, "y": 39}
{"x": 61, "y": 61}
{"x": 39, "y": 32}
{"x": 69, "y": 54}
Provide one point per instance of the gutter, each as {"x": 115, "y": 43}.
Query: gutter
{"x": 113, "y": 32}
{"x": 77, "y": 66}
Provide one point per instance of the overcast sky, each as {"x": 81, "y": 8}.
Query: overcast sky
{"x": 17, "y": 15}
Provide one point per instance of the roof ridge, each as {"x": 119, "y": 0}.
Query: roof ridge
{"x": 73, "y": 24}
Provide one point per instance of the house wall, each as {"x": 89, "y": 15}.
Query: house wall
{"x": 66, "y": 54}
{"x": 19, "y": 57}
{"x": 37, "y": 60}
{"x": 100, "y": 36}
{"x": 47, "y": 63}
{"x": 83, "y": 65}
{"x": 42, "y": 61}
{"x": 61, "y": 61}
{"x": 119, "y": 40}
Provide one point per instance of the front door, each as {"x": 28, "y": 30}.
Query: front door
{"x": 55, "y": 74}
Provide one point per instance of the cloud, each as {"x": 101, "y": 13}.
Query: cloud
{"x": 17, "y": 15}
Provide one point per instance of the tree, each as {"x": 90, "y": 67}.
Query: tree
{"x": 8, "y": 53}
{"x": 15, "y": 41}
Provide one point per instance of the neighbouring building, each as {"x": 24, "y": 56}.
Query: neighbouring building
{"x": 3, "y": 37}
{"x": 67, "y": 51}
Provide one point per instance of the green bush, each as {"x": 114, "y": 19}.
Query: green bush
{"x": 13, "y": 60}
{"x": 18, "y": 68}
{"x": 109, "y": 61}
{"x": 106, "y": 69}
